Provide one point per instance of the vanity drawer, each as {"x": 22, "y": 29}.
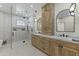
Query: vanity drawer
{"x": 55, "y": 42}
{"x": 69, "y": 45}
{"x": 77, "y": 46}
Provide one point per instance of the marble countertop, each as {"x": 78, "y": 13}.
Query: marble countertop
{"x": 67, "y": 39}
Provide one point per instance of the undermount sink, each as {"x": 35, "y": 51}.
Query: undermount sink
{"x": 76, "y": 40}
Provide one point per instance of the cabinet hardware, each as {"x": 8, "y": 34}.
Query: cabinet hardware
{"x": 60, "y": 46}
{"x": 43, "y": 48}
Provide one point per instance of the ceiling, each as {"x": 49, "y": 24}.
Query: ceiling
{"x": 22, "y": 9}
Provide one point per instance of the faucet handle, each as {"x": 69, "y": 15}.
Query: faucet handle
{"x": 60, "y": 35}
{"x": 67, "y": 35}
{"x": 63, "y": 35}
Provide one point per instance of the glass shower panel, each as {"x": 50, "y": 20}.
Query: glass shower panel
{"x": 5, "y": 25}
{"x": 19, "y": 26}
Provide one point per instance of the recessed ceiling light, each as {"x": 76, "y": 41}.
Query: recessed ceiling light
{"x": 0, "y": 6}
{"x": 31, "y": 6}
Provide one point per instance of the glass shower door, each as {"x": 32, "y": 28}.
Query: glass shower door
{"x": 19, "y": 26}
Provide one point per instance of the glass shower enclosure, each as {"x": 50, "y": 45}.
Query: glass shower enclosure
{"x": 13, "y": 25}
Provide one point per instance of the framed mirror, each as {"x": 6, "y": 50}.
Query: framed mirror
{"x": 39, "y": 25}
{"x": 65, "y": 21}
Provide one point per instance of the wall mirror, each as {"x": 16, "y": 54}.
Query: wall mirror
{"x": 65, "y": 21}
{"x": 39, "y": 25}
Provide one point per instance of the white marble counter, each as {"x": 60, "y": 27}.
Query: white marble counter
{"x": 67, "y": 39}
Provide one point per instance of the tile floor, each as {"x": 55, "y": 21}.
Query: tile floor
{"x": 25, "y": 50}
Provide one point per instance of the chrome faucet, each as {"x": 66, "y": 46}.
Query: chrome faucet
{"x": 64, "y": 35}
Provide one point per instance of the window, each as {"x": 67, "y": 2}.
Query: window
{"x": 20, "y": 21}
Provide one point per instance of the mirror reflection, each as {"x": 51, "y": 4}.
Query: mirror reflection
{"x": 65, "y": 21}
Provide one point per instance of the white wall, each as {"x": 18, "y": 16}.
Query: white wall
{"x": 58, "y": 8}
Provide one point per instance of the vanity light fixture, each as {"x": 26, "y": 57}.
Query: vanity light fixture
{"x": 31, "y": 6}
{"x": 72, "y": 13}
{"x": 72, "y": 7}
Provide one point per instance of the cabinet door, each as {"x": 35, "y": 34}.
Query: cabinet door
{"x": 69, "y": 52}
{"x": 55, "y": 48}
{"x": 44, "y": 44}
{"x": 69, "y": 49}
{"x": 47, "y": 19}
{"x": 35, "y": 41}
{"x": 55, "y": 51}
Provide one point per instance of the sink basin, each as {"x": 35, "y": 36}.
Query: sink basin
{"x": 77, "y": 40}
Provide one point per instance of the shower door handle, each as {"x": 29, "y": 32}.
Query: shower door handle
{"x": 12, "y": 33}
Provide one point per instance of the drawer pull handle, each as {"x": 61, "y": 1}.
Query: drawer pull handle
{"x": 43, "y": 48}
{"x": 60, "y": 46}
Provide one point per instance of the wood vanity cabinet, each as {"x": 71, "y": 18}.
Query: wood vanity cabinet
{"x": 47, "y": 20}
{"x": 61, "y": 48}
{"x": 54, "y": 47}
{"x": 35, "y": 41}
{"x": 44, "y": 44}
{"x": 69, "y": 52}
{"x": 69, "y": 49}
{"x": 41, "y": 42}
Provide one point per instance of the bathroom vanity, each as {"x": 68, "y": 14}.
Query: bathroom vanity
{"x": 55, "y": 46}
{"x": 65, "y": 22}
